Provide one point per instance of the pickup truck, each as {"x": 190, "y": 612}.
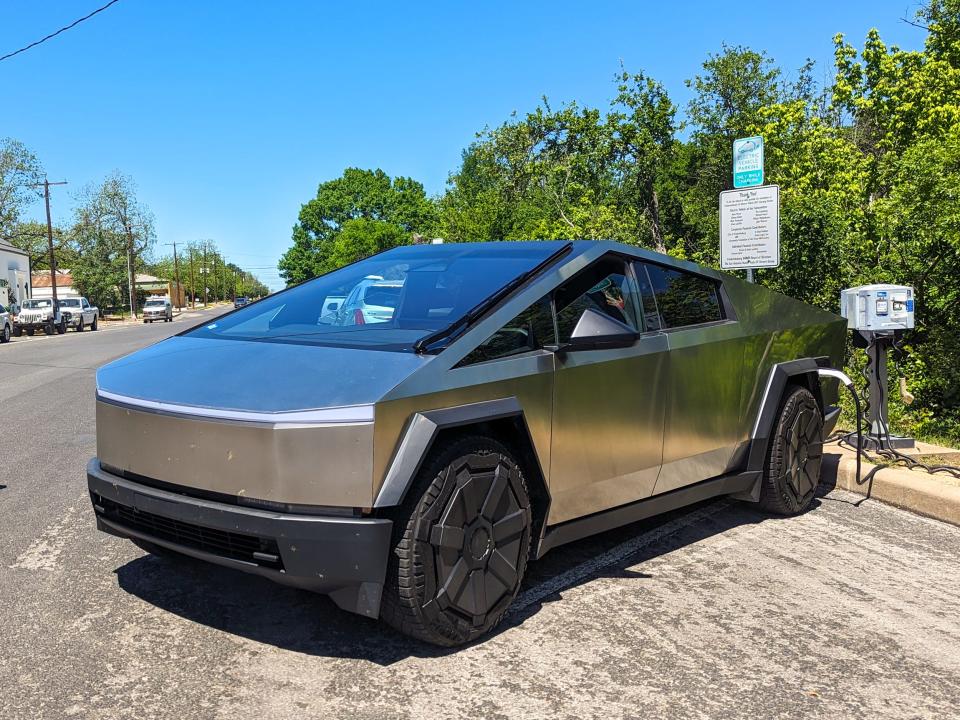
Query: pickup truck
{"x": 39, "y": 314}
{"x": 78, "y": 313}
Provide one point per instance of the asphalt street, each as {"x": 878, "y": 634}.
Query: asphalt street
{"x": 851, "y": 610}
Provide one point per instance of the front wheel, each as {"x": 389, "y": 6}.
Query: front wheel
{"x": 80, "y": 325}
{"x": 461, "y": 542}
{"x": 62, "y": 327}
{"x": 17, "y": 331}
{"x": 792, "y": 472}
{"x": 93, "y": 325}
{"x": 5, "y": 335}
{"x": 30, "y": 331}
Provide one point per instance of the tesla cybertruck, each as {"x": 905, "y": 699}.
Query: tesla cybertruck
{"x": 406, "y": 448}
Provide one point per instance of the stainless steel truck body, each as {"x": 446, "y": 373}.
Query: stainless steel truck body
{"x": 505, "y": 398}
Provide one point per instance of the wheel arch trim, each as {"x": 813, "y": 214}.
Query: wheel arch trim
{"x": 777, "y": 380}
{"x": 420, "y": 433}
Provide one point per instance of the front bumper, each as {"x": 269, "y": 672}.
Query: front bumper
{"x": 34, "y": 324}
{"x": 343, "y": 557}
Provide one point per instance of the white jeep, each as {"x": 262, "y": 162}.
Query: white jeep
{"x": 39, "y": 314}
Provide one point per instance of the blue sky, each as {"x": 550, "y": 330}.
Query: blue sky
{"x": 228, "y": 114}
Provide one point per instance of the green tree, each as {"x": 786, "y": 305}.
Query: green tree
{"x": 642, "y": 125}
{"x": 112, "y": 229}
{"x": 20, "y": 171}
{"x": 369, "y": 195}
{"x": 31, "y": 237}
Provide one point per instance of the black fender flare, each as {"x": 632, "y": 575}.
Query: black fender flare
{"x": 420, "y": 433}
{"x": 777, "y": 381}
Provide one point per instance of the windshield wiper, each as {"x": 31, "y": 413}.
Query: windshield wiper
{"x": 423, "y": 344}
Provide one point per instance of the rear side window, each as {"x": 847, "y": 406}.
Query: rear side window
{"x": 530, "y": 330}
{"x": 681, "y": 298}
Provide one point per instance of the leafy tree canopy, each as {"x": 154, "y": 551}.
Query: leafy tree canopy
{"x": 368, "y": 195}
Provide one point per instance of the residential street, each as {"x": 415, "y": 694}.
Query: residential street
{"x": 848, "y": 611}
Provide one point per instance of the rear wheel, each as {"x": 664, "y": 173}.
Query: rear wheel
{"x": 93, "y": 325}
{"x": 461, "y": 542}
{"x": 62, "y": 327}
{"x": 796, "y": 452}
{"x": 5, "y": 334}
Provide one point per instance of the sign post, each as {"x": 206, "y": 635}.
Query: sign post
{"x": 750, "y": 228}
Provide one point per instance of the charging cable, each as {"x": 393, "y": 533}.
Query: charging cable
{"x": 845, "y": 379}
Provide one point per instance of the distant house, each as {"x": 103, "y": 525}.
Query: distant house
{"x": 157, "y": 286}
{"x": 43, "y": 287}
{"x": 14, "y": 274}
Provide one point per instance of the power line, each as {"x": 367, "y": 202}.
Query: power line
{"x": 63, "y": 29}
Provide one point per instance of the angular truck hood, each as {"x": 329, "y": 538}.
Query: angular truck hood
{"x": 255, "y": 377}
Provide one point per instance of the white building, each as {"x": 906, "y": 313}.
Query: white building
{"x": 14, "y": 274}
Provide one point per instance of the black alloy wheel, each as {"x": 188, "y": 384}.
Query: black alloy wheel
{"x": 461, "y": 544}
{"x": 795, "y": 455}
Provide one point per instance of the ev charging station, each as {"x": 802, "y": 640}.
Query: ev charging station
{"x": 879, "y": 315}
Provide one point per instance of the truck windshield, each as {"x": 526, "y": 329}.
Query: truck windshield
{"x": 155, "y": 303}
{"x": 388, "y": 301}
{"x": 70, "y": 302}
{"x": 35, "y": 304}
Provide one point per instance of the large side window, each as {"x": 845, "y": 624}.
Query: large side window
{"x": 604, "y": 286}
{"x": 530, "y": 330}
{"x": 681, "y": 297}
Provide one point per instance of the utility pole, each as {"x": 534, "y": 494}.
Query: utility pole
{"x": 203, "y": 271}
{"x": 131, "y": 272}
{"x": 193, "y": 287}
{"x": 53, "y": 261}
{"x": 176, "y": 275}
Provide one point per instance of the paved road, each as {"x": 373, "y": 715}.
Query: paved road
{"x": 849, "y": 611}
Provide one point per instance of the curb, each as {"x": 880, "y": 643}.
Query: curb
{"x": 912, "y": 490}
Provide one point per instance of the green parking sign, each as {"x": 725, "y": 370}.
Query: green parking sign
{"x": 748, "y": 162}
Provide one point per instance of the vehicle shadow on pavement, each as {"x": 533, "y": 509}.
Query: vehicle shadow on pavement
{"x": 300, "y": 621}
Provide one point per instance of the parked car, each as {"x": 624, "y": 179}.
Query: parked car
{"x": 372, "y": 301}
{"x": 519, "y": 396}
{"x": 6, "y": 324}
{"x": 158, "y": 309}
{"x": 78, "y": 313}
{"x": 39, "y": 314}
{"x": 240, "y": 301}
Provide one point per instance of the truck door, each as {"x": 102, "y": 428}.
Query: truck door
{"x": 702, "y": 426}
{"x": 609, "y": 404}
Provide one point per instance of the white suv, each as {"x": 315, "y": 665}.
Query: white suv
{"x": 372, "y": 300}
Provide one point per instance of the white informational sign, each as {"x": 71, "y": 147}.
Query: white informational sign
{"x": 750, "y": 228}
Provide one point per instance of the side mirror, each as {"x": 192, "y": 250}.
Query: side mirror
{"x": 597, "y": 331}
